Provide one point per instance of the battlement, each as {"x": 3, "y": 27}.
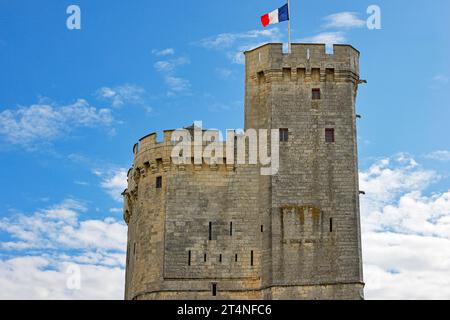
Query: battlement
{"x": 305, "y": 59}
{"x": 151, "y": 141}
{"x": 155, "y": 157}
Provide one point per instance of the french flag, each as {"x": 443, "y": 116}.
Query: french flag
{"x": 276, "y": 16}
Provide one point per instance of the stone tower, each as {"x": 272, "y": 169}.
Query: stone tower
{"x": 224, "y": 231}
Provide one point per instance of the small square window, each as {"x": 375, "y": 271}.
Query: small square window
{"x": 329, "y": 135}
{"x": 158, "y": 182}
{"x": 284, "y": 135}
{"x": 316, "y": 94}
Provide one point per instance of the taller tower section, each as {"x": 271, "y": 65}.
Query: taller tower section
{"x": 314, "y": 249}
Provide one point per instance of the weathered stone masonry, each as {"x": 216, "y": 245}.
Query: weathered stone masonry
{"x": 227, "y": 232}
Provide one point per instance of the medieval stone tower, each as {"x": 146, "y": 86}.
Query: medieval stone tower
{"x": 224, "y": 231}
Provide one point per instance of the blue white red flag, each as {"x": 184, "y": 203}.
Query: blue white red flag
{"x": 276, "y": 16}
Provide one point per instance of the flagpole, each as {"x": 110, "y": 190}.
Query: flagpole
{"x": 289, "y": 26}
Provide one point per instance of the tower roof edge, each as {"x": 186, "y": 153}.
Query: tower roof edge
{"x": 280, "y": 45}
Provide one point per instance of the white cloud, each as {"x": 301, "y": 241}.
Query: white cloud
{"x": 121, "y": 95}
{"x": 170, "y": 65}
{"x": 115, "y": 182}
{"x": 234, "y": 44}
{"x": 406, "y": 233}
{"x": 47, "y": 121}
{"x": 388, "y": 178}
{"x": 177, "y": 84}
{"x": 164, "y": 52}
{"x": 439, "y": 81}
{"x": 81, "y": 183}
{"x": 230, "y": 40}
{"x": 60, "y": 227}
{"x": 41, "y": 278}
{"x": 344, "y": 20}
{"x": 442, "y": 79}
{"x": 43, "y": 245}
{"x": 440, "y": 155}
{"x": 328, "y": 38}
{"x": 224, "y": 73}
{"x": 168, "y": 70}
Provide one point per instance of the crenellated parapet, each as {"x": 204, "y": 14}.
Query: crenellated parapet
{"x": 306, "y": 63}
{"x": 151, "y": 156}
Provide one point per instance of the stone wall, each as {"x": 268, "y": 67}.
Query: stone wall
{"x": 228, "y": 229}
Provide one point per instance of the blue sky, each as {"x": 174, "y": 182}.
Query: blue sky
{"x": 73, "y": 103}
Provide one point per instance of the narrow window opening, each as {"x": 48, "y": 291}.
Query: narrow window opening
{"x": 316, "y": 94}
{"x": 329, "y": 135}
{"x": 220, "y": 258}
{"x": 235, "y": 258}
{"x": 134, "y": 248}
{"x": 158, "y": 182}
{"x": 261, "y": 77}
{"x": 210, "y": 231}
{"x": 214, "y": 289}
{"x": 189, "y": 258}
{"x": 251, "y": 258}
{"x": 284, "y": 135}
{"x": 235, "y": 148}
{"x": 231, "y": 229}
{"x": 204, "y": 258}
{"x": 262, "y": 228}
{"x": 331, "y": 224}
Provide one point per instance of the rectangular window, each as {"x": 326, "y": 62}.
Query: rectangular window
{"x": 220, "y": 258}
{"x": 331, "y": 224}
{"x": 316, "y": 94}
{"x": 214, "y": 289}
{"x": 329, "y": 135}
{"x": 251, "y": 258}
{"x": 158, "y": 182}
{"x": 284, "y": 135}
{"x": 262, "y": 228}
{"x": 231, "y": 229}
{"x": 235, "y": 257}
{"x": 204, "y": 258}
{"x": 189, "y": 258}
